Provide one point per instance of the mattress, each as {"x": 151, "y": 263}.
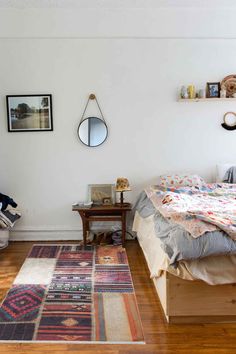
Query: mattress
{"x": 212, "y": 270}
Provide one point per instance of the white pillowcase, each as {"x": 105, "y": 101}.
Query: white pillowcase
{"x": 184, "y": 180}
{"x": 221, "y": 170}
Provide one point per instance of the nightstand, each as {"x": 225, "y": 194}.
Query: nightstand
{"x": 103, "y": 213}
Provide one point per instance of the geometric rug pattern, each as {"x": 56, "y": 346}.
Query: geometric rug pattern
{"x": 68, "y": 293}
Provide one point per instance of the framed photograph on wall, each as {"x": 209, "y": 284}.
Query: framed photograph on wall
{"x": 99, "y": 193}
{"x": 29, "y": 113}
{"x": 213, "y": 89}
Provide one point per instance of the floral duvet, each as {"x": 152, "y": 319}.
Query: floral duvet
{"x": 198, "y": 209}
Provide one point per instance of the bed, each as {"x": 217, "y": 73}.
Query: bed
{"x": 196, "y": 284}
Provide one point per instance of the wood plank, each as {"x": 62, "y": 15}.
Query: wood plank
{"x": 196, "y": 298}
{"x": 207, "y": 99}
{"x": 161, "y": 287}
{"x": 201, "y": 319}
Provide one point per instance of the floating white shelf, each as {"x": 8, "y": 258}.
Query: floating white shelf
{"x": 213, "y": 99}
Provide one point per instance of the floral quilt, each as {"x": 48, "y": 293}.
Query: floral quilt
{"x": 198, "y": 209}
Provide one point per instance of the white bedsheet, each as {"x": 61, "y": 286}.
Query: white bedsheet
{"x": 212, "y": 270}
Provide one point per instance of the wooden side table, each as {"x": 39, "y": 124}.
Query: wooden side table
{"x": 103, "y": 213}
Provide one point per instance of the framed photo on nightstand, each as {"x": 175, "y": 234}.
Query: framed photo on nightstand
{"x": 101, "y": 194}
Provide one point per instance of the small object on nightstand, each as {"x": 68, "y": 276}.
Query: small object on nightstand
{"x": 122, "y": 185}
{"x": 83, "y": 204}
{"x": 107, "y": 201}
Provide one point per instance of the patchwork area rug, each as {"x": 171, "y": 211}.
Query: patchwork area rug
{"x": 70, "y": 294}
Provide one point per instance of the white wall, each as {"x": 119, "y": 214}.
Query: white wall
{"x": 136, "y": 81}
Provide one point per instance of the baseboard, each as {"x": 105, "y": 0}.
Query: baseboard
{"x": 48, "y": 235}
{"x": 45, "y": 235}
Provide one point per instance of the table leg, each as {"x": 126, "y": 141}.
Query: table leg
{"x": 123, "y": 227}
{"x": 84, "y": 223}
{"x": 87, "y": 229}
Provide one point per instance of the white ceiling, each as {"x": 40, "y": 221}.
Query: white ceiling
{"x": 115, "y": 3}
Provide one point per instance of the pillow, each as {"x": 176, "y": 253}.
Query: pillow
{"x": 221, "y": 170}
{"x": 181, "y": 180}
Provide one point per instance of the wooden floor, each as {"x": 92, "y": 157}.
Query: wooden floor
{"x": 159, "y": 336}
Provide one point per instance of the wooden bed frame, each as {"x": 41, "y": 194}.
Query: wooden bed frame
{"x": 185, "y": 301}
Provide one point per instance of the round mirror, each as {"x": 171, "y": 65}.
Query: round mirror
{"x": 92, "y": 131}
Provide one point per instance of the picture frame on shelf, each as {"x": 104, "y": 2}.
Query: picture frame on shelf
{"x": 29, "y": 113}
{"x": 213, "y": 89}
{"x": 97, "y": 193}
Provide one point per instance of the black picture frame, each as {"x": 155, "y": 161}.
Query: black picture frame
{"x": 213, "y": 89}
{"x": 29, "y": 113}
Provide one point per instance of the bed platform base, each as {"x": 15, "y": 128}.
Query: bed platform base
{"x": 185, "y": 301}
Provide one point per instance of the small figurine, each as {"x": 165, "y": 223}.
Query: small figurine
{"x": 202, "y": 93}
{"x": 223, "y": 92}
{"x": 184, "y": 92}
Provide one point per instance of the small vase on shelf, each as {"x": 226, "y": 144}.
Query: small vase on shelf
{"x": 184, "y": 92}
{"x": 191, "y": 91}
{"x": 223, "y": 92}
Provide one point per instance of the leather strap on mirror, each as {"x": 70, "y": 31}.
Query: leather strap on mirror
{"x": 92, "y": 97}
